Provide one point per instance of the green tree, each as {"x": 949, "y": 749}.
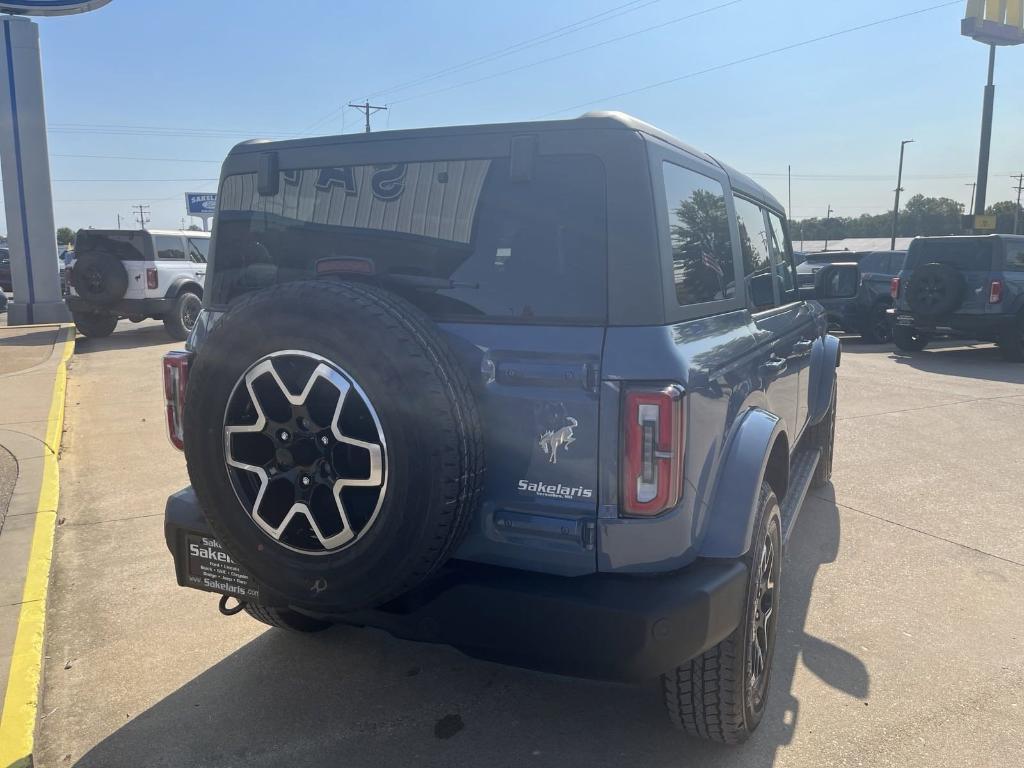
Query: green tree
{"x": 65, "y": 236}
{"x": 1004, "y": 211}
{"x": 194, "y": 228}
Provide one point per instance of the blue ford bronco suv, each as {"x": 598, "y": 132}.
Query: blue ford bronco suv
{"x": 546, "y": 392}
{"x": 963, "y": 287}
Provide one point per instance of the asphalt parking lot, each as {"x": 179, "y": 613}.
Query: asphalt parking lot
{"x": 900, "y": 642}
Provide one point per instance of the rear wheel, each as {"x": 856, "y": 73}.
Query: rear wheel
{"x": 94, "y": 326}
{"x": 721, "y": 694}
{"x": 909, "y": 339}
{"x": 1011, "y": 343}
{"x": 182, "y": 317}
{"x": 877, "y": 329}
{"x": 284, "y": 618}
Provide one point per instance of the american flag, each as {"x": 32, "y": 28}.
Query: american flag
{"x": 711, "y": 262}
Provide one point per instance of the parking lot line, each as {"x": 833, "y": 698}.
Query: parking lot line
{"x": 18, "y": 717}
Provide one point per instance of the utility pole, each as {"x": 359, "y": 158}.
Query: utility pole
{"x": 973, "y": 185}
{"x": 828, "y": 216}
{"x": 119, "y": 221}
{"x": 367, "y": 109}
{"x": 789, "y": 200}
{"x": 142, "y": 214}
{"x": 986, "y": 134}
{"x": 899, "y": 188}
{"x": 1016, "y": 211}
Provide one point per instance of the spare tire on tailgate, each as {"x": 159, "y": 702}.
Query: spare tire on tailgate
{"x": 333, "y": 442}
{"x": 99, "y": 277}
{"x": 935, "y": 289}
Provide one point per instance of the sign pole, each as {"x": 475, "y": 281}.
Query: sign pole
{"x": 28, "y": 200}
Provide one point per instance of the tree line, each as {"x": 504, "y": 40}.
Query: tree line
{"x": 920, "y": 216}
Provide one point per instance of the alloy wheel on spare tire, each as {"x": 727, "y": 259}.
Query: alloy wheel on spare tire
{"x": 99, "y": 277}
{"x": 935, "y": 289}
{"x": 333, "y": 441}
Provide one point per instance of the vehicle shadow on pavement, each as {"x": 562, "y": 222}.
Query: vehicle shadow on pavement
{"x": 981, "y": 362}
{"x": 126, "y": 336}
{"x": 358, "y": 697}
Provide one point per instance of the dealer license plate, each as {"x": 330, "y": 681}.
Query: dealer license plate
{"x": 209, "y": 567}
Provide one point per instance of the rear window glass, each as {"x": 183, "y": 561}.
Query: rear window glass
{"x": 967, "y": 253}
{"x": 127, "y": 246}
{"x": 698, "y": 223}
{"x": 460, "y": 238}
{"x": 1014, "y": 257}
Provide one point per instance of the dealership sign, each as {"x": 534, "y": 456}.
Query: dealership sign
{"x": 50, "y": 7}
{"x": 200, "y": 204}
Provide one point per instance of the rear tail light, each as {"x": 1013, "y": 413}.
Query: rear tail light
{"x": 152, "y": 280}
{"x": 894, "y": 288}
{"x": 652, "y": 458}
{"x": 995, "y": 292}
{"x": 176, "y": 365}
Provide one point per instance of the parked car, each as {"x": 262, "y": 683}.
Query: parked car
{"x": 3, "y": 301}
{"x": 6, "y": 284}
{"x": 965, "y": 287}
{"x": 546, "y": 392}
{"x": 866, "y": 313}
{"x": 136, "y": 274}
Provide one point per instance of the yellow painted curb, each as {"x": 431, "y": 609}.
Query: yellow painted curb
{"x": 18, "y": 717}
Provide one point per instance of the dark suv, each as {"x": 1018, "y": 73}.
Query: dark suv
{"x": 864, "y": 313}
{"x": 964, "y": 288}
{"x": 546, "y": 392}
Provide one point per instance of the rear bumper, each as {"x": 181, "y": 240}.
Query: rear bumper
{"x": 612, "y": 627}
{"x": 122, "y": 308}
{"x": 965, "y": 326}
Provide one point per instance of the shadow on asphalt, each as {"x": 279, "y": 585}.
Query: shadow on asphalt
{"x": 358, "y": 697}
{"x": 30, "y": 339}
{"x": 982, "y": 362}
{"x": 125, "y": 336}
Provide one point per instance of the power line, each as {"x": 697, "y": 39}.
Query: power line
{"x": 547, "y": 37}
{"x": 585, "y": 48}
{"x": 754, "y": 57}
{"x": 368, "y": 109}
{"x": 589, "y": 21}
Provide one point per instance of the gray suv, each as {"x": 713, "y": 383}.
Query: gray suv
{"x": 968, "y": 287}
{"x": 545, "y": 392}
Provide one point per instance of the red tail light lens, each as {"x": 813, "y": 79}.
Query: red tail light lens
{"x": 176, "y": 366}
{"x": 654, "y": 437}
{"x": 152, "y": 280}
{"x": 995, "y": 292}
{"x": 894, "y": 288}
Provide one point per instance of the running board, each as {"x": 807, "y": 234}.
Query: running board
{"x": 801, "y": 471}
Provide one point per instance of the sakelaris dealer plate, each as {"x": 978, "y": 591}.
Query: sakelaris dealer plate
{"x": 210, "y": 568}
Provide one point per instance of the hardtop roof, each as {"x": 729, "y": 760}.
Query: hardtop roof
{"x": 601, "y": 120}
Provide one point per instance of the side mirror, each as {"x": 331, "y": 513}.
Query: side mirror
{"x": 837, "y": 281}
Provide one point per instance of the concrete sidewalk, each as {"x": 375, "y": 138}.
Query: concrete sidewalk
{"x": 32, "y": 385}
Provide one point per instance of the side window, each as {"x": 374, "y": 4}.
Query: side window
{"x": 198, "y": 249}
{"x": 757, "y": 269}
{"x": 783, "y": 253}
{"x": 168, "y": 247}
{"x": 1014, "y": 258}
{"x": 698, "y": 220}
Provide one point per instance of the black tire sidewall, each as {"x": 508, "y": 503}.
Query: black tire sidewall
{"x": 174, "y": 322}
{"x": 94, "y": 325}
{"x": 367, "y": 571}
{"x": 904, "y": 338}
{"x": 769, "y": 518}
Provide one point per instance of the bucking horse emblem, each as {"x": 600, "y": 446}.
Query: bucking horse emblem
{"x": 554, "y": 439}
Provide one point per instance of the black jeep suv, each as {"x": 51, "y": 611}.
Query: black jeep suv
{"x": 961, "y": 287}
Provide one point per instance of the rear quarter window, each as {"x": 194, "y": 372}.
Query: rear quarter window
{"x": 1014, "y": 261}
{"x": 462, "y": 239}
{"x": 127, "y": 246}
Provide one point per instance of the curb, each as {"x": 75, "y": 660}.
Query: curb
{"x": 18, "y": 716}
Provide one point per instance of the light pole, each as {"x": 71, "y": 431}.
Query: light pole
{"x": 991, "y": 23}
{"x": 828, "y": 216}
{"x": 899, "y": 188}
{"x": 973, "y": 185}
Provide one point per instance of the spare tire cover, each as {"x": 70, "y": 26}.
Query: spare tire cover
{"x": 333, "y": 442}
{"x": 99, "y": 277}
{"x": 935, "y": 289}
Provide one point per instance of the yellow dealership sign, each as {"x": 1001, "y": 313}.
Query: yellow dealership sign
{"x": 994, "y": 22}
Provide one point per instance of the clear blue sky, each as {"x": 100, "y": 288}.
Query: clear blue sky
{"x": 208, "y": 74}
